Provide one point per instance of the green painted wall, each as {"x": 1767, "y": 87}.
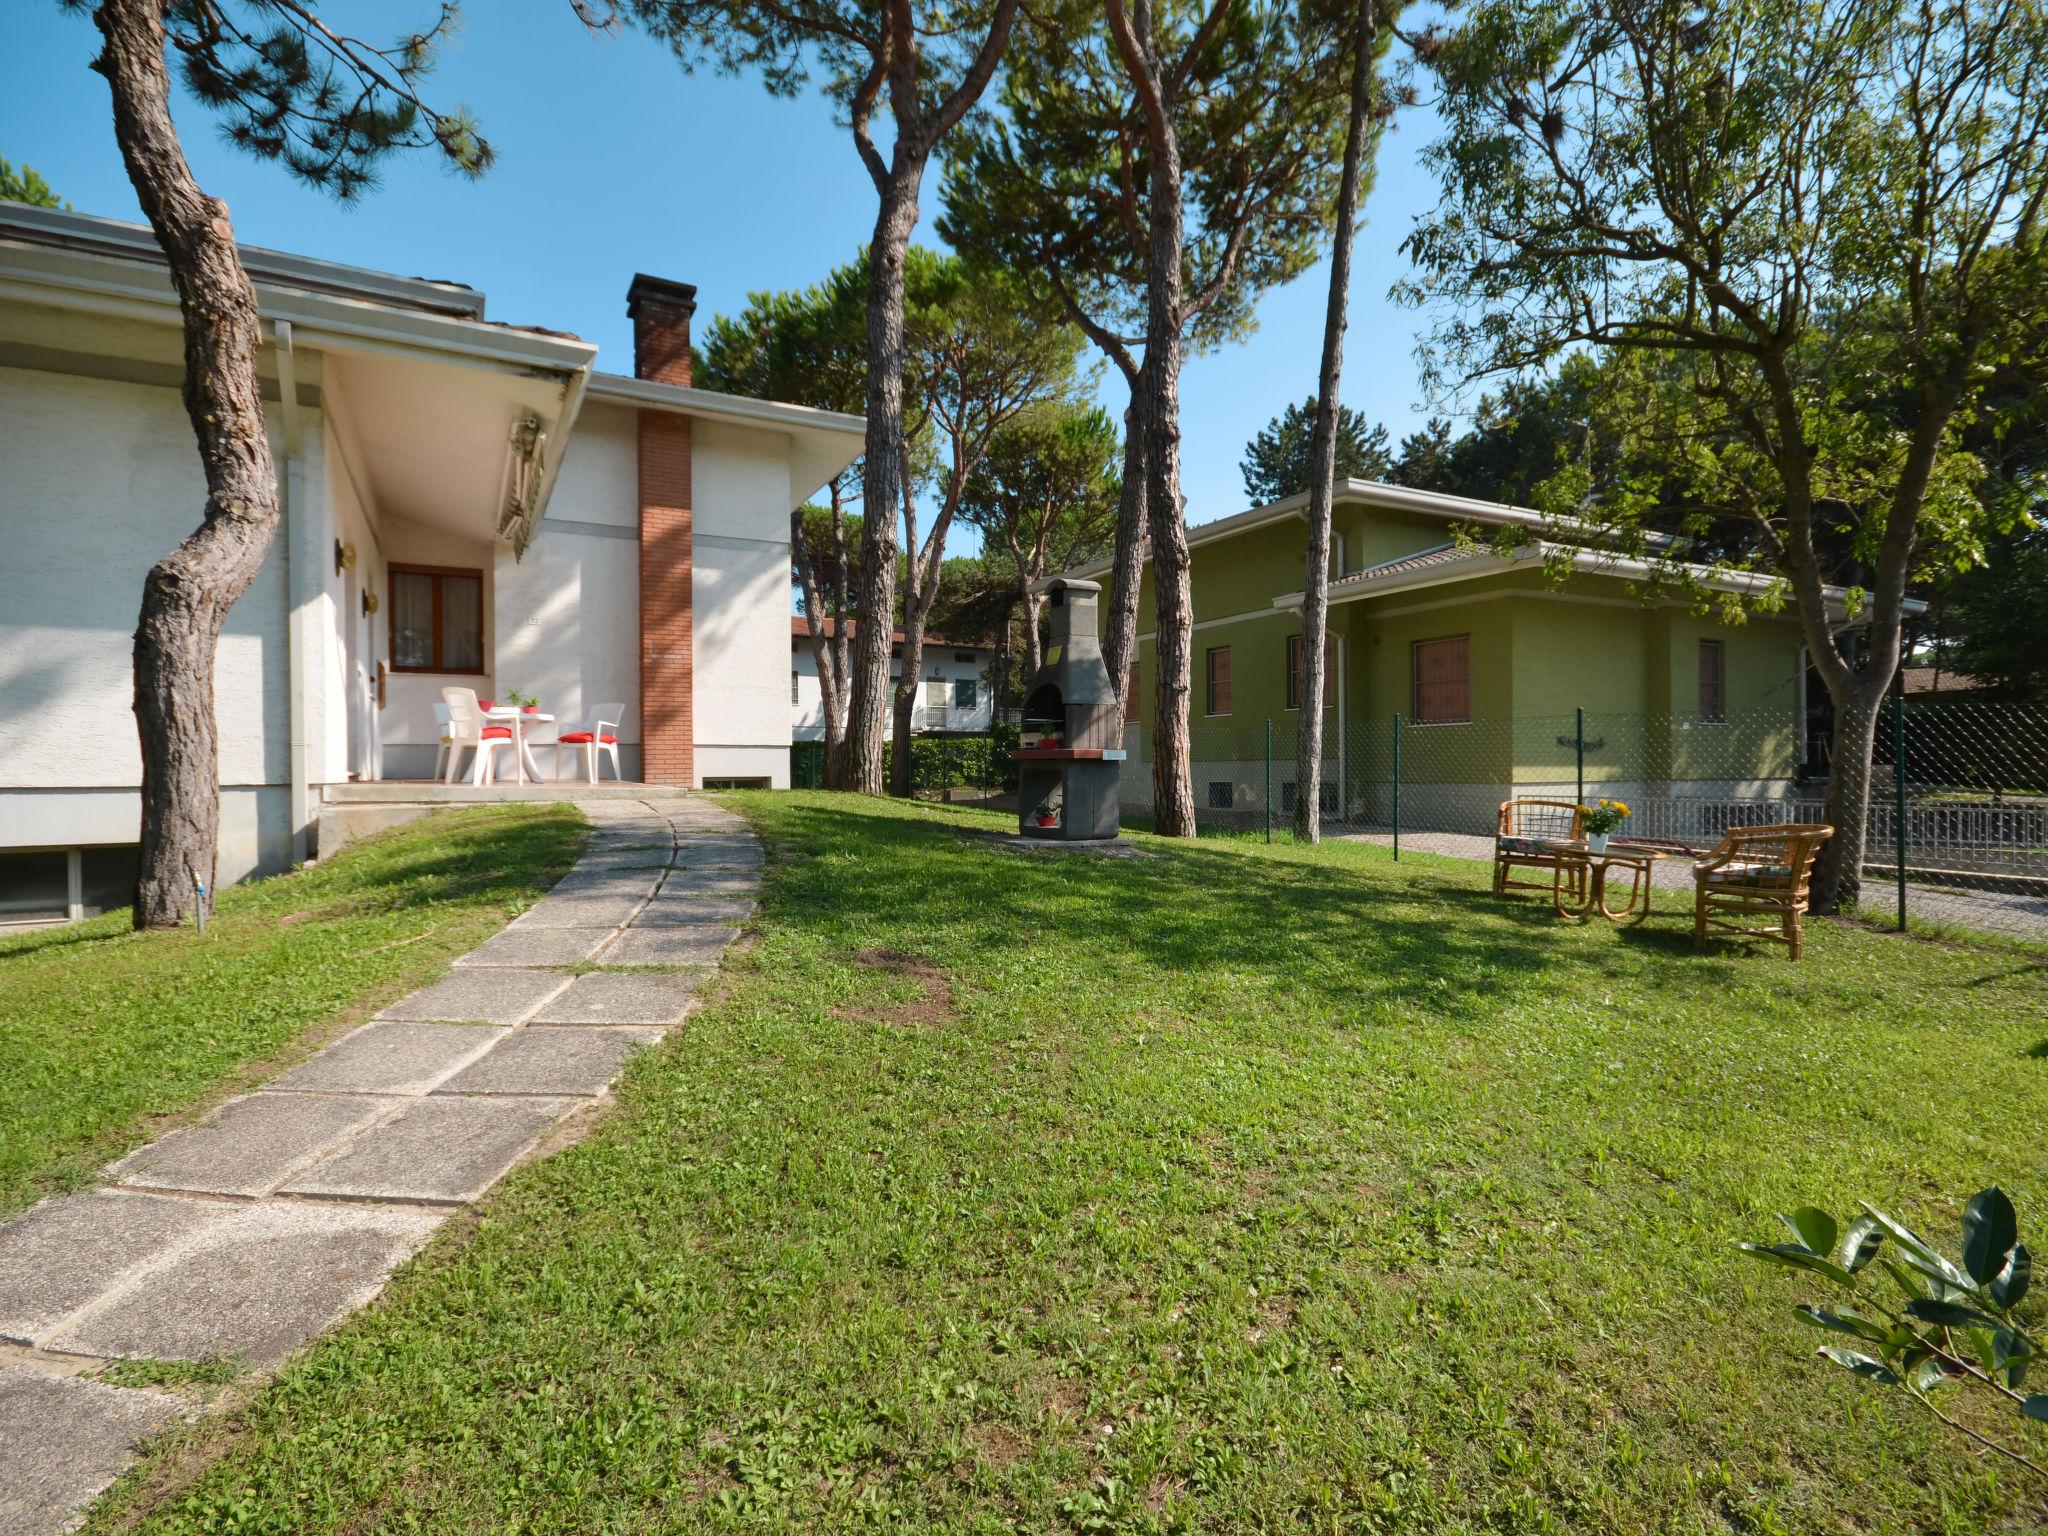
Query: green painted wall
{"x": 1537, "y": 656}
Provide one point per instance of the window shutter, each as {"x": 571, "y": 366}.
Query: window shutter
{"x": 1443, "y": 679}
{"x": 1218, "y": 702}
{"x": 1713, "y": 702}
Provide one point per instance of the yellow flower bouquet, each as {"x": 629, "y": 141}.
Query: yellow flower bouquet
{"x": 1600, "y": 821}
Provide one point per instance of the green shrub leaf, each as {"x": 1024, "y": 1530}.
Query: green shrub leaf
{"x": 2036, "y": 1407}
{"x": 2010, "y": 1353}
{"x": 1948, "y": 1314}
{"x": 1875, "y": 1370}
{"x": 1989, "y": 1231}
{"x": 2011, "y": 1285}
{"x": 1796, "y": 1256}
{"x": 1918, "y": 1251}
{"x": 1813, "y": 1227}
{"x": 1843, "y": 1321}
{"x": 1860, "y": 1243}
{"x": 1929, "y": 1374}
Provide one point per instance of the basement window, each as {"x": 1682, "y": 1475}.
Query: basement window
{"x": 1222, "y": 795}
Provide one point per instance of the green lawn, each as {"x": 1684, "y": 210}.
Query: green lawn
{"x": 104, "y": 1030}
{"x": 1231, "y": 1189}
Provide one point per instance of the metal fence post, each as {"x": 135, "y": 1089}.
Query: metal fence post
{"x": 1579, "y": 732}
{"x": 1269, "y": 780}
{"x": 1397, "y": 789}
{"x": 1899, "y": 788}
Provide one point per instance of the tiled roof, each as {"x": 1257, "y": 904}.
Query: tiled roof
{"x": 800, "y": 629}
{"x": 1421, "y": 560}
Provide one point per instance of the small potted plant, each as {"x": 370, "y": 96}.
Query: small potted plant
{"x": 526, "y": 703}
{"x": 1047, "y": 815}
{"x": 1600, "y": 821}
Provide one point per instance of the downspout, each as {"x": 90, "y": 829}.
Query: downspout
{"x": 297, "y": 557}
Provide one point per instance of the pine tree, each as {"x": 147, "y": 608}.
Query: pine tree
{"x": 327, "y": 106}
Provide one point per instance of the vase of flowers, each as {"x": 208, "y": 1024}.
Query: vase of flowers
{"x": 1600, "y": 821}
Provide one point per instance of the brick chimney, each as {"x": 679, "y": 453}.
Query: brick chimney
{"x": 660, "y": 311}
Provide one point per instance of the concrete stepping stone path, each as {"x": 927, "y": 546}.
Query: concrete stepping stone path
{"x": 244, "y": 1234}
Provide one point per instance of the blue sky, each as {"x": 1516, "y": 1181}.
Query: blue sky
{"x": 612, "y": 161}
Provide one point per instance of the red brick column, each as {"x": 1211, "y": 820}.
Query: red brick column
{"x": 667, "y": 718}
{"x": 661, "y": 312}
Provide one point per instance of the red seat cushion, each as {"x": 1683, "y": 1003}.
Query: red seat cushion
{"x": 497, "y": 733}
{"x": 580, "y": 738}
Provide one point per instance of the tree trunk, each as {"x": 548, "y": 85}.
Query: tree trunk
{"x": 999, "y": 674}
{"x": 1031, "y": 605}
{"x": 842, "y": 644}
{"x": 818, "y": 614}
{"x": 867, "y": 716}
{"x": 187, "y": 595}
{"x": 907, "y": 687}
{"x": 1315, "y": 606}
{"x": 1838, "y": 879}
{"x": 1120, "y": 644}
{"x": 1173, "y": 794}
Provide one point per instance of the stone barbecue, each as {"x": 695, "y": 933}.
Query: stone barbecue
{"x": 1070, "y": 753}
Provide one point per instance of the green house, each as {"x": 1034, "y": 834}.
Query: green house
{"x": 1556, "y": 669}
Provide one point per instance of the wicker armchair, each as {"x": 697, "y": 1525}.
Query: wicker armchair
{"x": 1757, "y": 872}
{"x": 1524, "y": 827}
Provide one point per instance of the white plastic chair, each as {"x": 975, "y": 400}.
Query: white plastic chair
{"x": 447, "y": 747}
{"x": 468, "y": 727}
{"x": 598, "y": 734}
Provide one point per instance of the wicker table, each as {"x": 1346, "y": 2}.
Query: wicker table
{"x": 1639, "y": 856}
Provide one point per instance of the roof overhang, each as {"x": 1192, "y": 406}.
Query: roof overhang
{"x": 462, "y": 421}
{"x": 1449, "y": 566}
{"x": 1392, "y": 498}
{"x": 821, "y": 443}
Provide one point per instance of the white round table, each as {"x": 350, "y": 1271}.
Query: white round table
{"x": 524, "y": 769}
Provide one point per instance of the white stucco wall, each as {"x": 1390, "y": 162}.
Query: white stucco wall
{"x": 101, "y": 481}
{"x": 568, "y": 625}
{"x": 600, "y": 476}
{"x": 569, "y": 621}
{"x": 741, "y": 597}
{"x": 344, "y": 722}
{"x": 807, "y": 712}
{"x": 739, "y": 484}
{"x": 740, "y": 494}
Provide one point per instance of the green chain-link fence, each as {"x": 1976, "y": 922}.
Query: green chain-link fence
{"x": 1957, "y": 830}
{"x": 941, "y": 767}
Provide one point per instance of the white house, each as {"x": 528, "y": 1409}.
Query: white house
{"x": 957, "y": 696}
{"x": 467, "y": 503}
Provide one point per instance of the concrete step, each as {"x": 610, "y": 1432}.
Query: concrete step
{"x": 429, "y": 792}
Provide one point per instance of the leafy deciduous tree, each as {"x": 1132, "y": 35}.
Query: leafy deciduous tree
{"x": 1815, "y": 227}
{"x": 980, "y": 357}
{"x": 1045, "y": 499}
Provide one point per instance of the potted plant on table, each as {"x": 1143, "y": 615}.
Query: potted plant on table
{"x": 526, "y": 703}
{"x": 1600, "y": 821}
